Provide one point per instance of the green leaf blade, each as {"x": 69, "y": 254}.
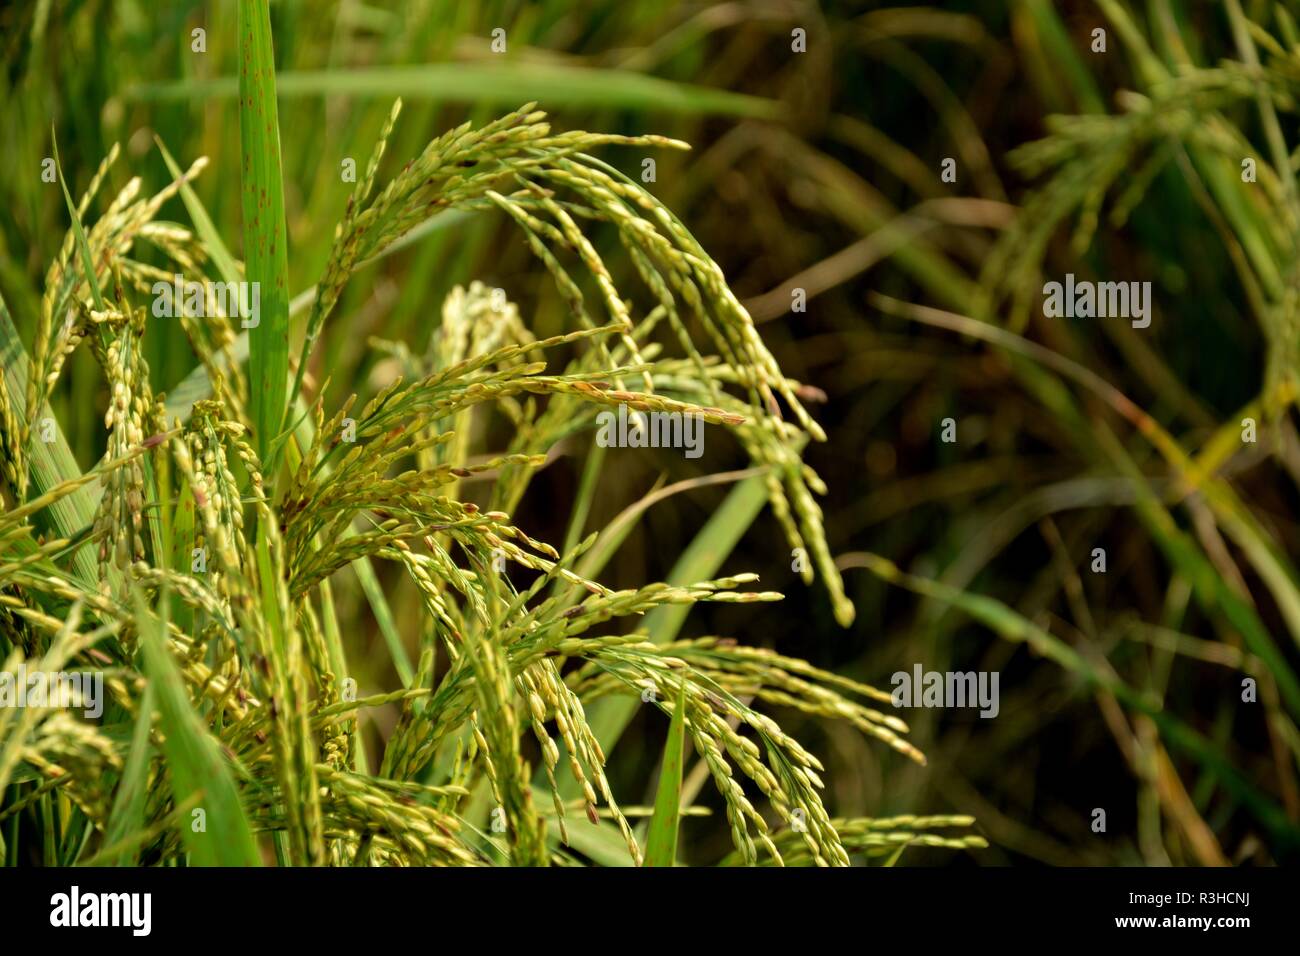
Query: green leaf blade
{"x": 195, "y": 761}
{"x": 266, "y": 261}
{"x": 491, "y": 84}
{"x": 661, "y": 837}
{"x": 128, "y": 815}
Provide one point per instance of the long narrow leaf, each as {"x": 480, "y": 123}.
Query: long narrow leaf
{"x": 265, "y": 246}
{"x": 488, "y": 84}
{"x": 128, "y": 809}
{"x": 661, "y": 838}
{"x": 51, "y": 463}
{"x": 195, "y": 762}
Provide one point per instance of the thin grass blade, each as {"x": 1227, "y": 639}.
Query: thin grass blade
{"x": 661, "y": 838}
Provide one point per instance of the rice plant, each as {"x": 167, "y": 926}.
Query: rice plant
{"x": 192, "y": 566}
